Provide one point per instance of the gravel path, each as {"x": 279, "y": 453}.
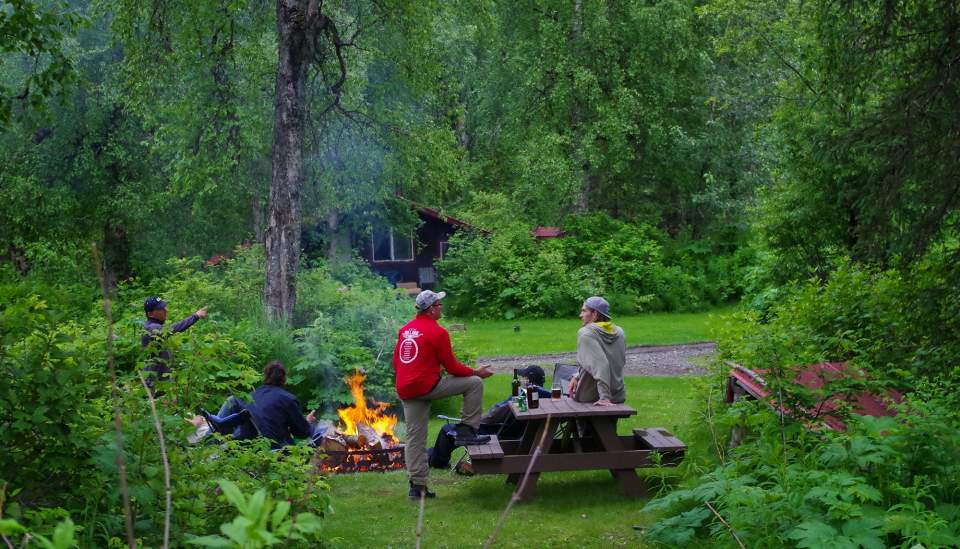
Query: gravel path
{"x": 652, "y": 360}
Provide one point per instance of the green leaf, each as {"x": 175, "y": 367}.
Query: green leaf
{"x": 238, "y": 529}
{"x": 279, "y": 514}
{"x": 211, "y": 541}
{"x": 63, "y": 535}
{"x": 309, "y": 523}
{"x": 813, "y": 534}
{"x": 234, "y": 495}
{"x": 10, "y": 527}
{"x": 865, "y": 532}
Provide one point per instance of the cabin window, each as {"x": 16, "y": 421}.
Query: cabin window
{"x": 444, "y": 248}
{"x": 388, "y": 246}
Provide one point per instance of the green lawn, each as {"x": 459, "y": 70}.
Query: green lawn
{"x": 584, "y": 509}
{"x": 500, "y": 338}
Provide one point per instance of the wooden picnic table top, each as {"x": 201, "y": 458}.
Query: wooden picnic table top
{"x": 566, "y": 407}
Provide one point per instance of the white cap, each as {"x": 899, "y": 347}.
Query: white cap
{"x": 427, "y": 298}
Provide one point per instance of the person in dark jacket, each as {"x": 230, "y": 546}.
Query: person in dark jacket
{"x": 274, "y": 413}
{"x": 159, "y": 358}
{"x": 498, "y": 420}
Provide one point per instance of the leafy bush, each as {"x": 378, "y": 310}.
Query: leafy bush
{"x": 262, "y": 522}
{"x": 883, "y": 483}
{"x": 510, "y": 274}
{"x": 57, "y": 426}
{"x": 886, "y": 481}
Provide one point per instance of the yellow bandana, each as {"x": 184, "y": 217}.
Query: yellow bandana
{"x": 605, "y": 326}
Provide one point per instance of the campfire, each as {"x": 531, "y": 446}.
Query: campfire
{"x": 364, "y": 439}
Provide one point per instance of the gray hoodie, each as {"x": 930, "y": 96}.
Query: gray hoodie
{"x": 601, "y": 354}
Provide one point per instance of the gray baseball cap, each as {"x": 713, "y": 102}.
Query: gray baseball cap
{"x": 598, "y": 304}
{"x": 427, "y": 298}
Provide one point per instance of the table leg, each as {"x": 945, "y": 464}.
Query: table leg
{"x": 530, "y": 432}
{"x": 606, "y": 428}
{"x": 544, "y": 431}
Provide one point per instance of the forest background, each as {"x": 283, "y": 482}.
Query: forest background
{"x": 797, "y": 156}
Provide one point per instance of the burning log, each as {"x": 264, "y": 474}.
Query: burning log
{"x": 364, "y": 441}
{"x": 368, "y": 437}
{"x": 335, "y": 447}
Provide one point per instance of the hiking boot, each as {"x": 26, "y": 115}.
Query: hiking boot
{"x": 416, "y": 490}
{"x": 465, "y": 435}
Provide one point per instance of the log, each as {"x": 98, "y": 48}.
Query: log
{"x": 368, "y": 437}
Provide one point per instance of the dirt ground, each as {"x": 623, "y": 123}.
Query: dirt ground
{"x": 653, "y": 360}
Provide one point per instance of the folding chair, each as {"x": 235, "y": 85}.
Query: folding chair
{"x": 564, "y": 373}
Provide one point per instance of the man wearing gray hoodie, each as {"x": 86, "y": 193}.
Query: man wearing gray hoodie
{"x": 601, "y": 355}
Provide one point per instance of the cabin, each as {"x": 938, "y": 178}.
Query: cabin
{"x": 407, "y": 259}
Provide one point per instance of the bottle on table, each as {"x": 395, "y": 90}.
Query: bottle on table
{"x": 515, "y": 384}
{"x": 533, "y": 397}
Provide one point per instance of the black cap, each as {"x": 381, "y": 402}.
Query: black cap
{"x": 153, "y": 303}
{"x": 533, "y": 373}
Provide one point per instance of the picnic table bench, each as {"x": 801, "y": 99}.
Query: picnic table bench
{"x": 588, "y": 441}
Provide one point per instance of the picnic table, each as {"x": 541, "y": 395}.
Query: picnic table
{"x": 588, "y": 440}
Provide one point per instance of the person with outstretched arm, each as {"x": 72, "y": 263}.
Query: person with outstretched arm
{"x": 159, "y": 362}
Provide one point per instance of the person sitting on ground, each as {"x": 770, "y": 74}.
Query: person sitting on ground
{"x": 159, "y": 362}
{"x": 422, "y": 348}
{"x": 601, "y": 355}
{"x": 496, "y": 421}
{"x": 274, "y": 413}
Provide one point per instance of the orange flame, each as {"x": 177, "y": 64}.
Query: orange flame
{"x": 351, "y": 416}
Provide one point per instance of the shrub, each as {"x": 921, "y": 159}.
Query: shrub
{"x": 886, "y": 481}
{"x": 510, "y": 274}
{"x": 57, "y": 429}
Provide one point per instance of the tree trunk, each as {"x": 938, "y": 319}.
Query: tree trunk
{"x": 283, "y": 226}
{"x": 338, "y": 240}
{"x": 116, "y": 255}
{"x": 581, "y": 202}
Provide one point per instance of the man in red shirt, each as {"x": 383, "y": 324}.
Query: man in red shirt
{"x": 423, "y": 346}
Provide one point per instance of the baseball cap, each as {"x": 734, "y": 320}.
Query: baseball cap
{"x": 153, "y": 303}
{"x": 534, "y": 373}
{"x": 427, "y": 298}
{"x": 598, "y": 304}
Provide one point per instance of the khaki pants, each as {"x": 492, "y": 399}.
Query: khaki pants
{"x": 417, "y": 413}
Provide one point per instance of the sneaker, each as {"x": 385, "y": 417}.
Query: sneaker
{"x": 416, "y": 490}
{"x": 465, "y": 435}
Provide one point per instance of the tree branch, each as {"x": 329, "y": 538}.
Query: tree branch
{"x": 732, "y": 533}
{"x": 114, "y": 396}
{"x": 164, "y": 460}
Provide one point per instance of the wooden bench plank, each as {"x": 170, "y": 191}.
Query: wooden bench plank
{"x": 490, "y": 450}
{"x": 659, "y": 439}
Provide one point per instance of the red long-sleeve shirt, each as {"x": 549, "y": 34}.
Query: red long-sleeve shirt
{"x": 422, "y": 347}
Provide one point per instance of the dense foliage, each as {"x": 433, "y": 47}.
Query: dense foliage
{"x": 636, "y": 267}
{"x": 857, "y": 262}
{"x": 55, "y": 389}
{"x": 799, "y": 154}
{"x": 884, "y": 482}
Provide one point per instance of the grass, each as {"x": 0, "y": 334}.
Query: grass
{"x": 501, "y": 338}
{"x": 578, "y": 509}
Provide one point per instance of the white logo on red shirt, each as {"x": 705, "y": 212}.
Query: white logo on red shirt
{"x": 408, "y": 347}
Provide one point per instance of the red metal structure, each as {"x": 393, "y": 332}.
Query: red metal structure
{"x": 743, "y": 381}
